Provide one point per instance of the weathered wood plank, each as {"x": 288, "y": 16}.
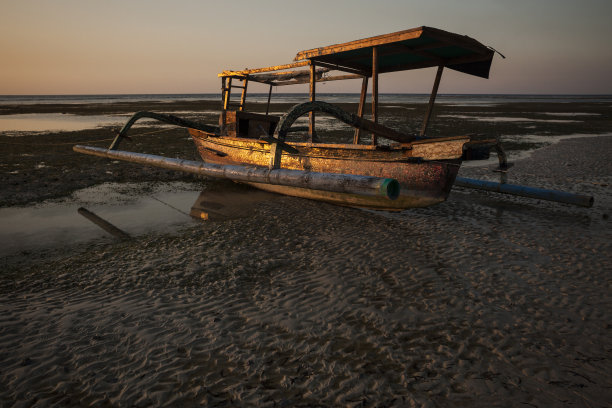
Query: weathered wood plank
{"x": 228, "y": 92}
{"x": 363, "y": 43}
{"x": 266, "y": 69}
{"x": 222, "y": 118}
{"x": 283, "y": 76}
{"x": 405, "y": 35}
{"x": 244, "y": 93}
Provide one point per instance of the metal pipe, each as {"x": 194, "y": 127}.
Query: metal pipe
{"x": 343, "y": 183}
{"x": 524, "y": 191}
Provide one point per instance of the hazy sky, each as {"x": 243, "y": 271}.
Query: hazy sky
{"x": 179, "y": 46}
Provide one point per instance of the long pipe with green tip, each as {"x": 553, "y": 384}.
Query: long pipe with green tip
{"x": 342, "y": 183}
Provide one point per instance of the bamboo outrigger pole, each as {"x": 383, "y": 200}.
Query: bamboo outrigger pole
{"x": 342, "y": 183}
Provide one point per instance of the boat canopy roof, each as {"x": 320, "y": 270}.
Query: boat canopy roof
{"x": 416, "y": 48}
{"x": 420, "y": 47}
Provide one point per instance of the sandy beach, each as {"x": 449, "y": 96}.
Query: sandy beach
{"x": 480, "y": 301}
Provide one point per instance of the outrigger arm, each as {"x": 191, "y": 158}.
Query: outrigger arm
{"x": 170, "y": 119}
{"x": 287, "y": 120}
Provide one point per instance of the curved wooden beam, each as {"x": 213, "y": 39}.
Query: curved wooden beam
{"x": 170, "y": 119}
{"x": 287, "y": 120}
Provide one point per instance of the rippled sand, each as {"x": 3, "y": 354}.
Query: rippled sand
{"x": 479, "y": 301}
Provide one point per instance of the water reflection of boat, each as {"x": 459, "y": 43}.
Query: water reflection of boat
{"x": 228, "y": 203}
{"x": 103, "y": 224}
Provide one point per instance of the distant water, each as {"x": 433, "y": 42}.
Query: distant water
{"x": 55, "y": 122}
{"x": 21, "y": 124}
{"x": 454, "y": 99}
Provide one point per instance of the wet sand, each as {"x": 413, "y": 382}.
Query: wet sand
{"x": 479, "y": 301}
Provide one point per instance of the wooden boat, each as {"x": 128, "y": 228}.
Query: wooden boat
{"x": 425, "y": 167}
{"x": 378, "y": 156}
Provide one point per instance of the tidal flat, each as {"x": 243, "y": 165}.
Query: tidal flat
{"x": 479, "y": 301}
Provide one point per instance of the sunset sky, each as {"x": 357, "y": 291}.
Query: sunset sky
{"x": 179, "y": 46}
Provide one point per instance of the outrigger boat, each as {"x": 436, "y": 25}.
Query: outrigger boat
{"x": 382, "y": 168}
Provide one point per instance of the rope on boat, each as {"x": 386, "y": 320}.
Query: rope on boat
{"x": 171, "y": 206}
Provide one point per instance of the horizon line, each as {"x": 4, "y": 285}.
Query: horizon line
{"x": 318, "y": 93}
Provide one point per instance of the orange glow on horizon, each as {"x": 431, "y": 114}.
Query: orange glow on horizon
{"x": 73, "y": 47}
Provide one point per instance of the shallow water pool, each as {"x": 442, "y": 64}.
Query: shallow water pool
{"x": 134, "y": 208}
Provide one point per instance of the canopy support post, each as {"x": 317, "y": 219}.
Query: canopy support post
{"x": 311, "y": 116}
{"x": 222, "y": 119}
{"x": 432, "y": 99}
{"x": 244, "y": 93}
{"x": 362, "y": 99}
{"x": 374, "y": 90}
{"x": 269, "y": 97}
{"x": 228, "y": 91}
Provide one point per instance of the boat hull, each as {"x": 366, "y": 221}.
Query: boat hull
{"x": 426, "y": 171}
